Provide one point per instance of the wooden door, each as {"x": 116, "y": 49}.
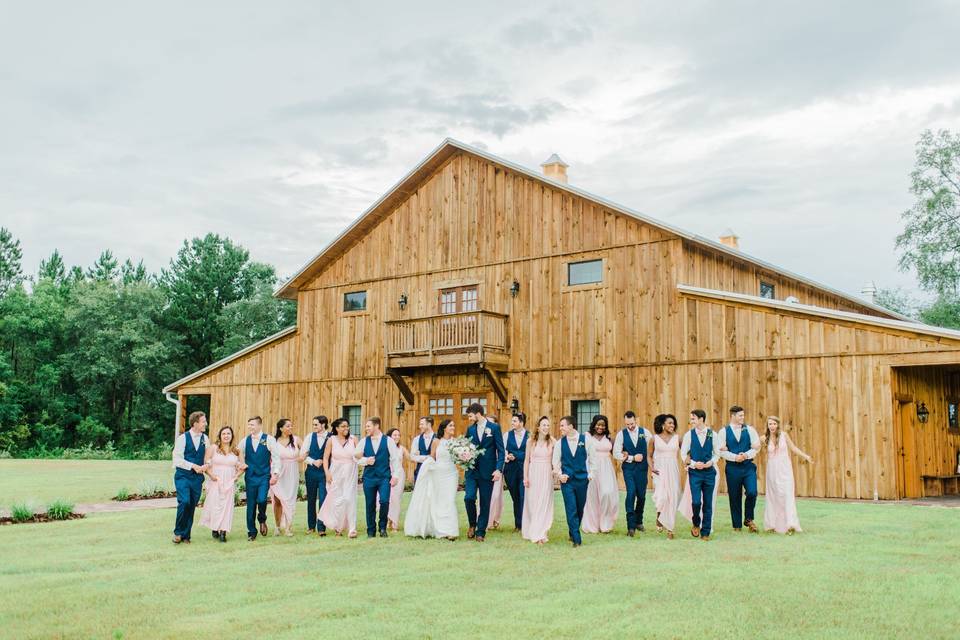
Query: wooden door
{"x": 453, "y": 406}
{"x": 459, "y": 299}
{"x": 908, "y": 469}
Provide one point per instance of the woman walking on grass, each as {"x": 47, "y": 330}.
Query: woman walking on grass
{"x": 222, "y": 462}
{"x": 284, "y": 492}
{"x": 603, "y": 494}
{"x": 780, "y": 512}
{"x": 538, "y": 484}
{"x": 339, "y": 509}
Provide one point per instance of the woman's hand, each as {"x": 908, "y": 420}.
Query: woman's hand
{"x": 526, "y": 483}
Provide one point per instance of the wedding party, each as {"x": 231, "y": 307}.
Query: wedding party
{"x": 529, "y": 464}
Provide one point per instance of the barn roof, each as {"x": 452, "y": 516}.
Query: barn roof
{"x": 409, "y": 183}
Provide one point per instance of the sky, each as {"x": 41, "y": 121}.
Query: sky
{"x": 133, "y": 126}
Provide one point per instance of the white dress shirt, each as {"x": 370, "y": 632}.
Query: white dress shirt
{"x": 396, "y": 456}
{"x": 572, "y": 442}
{"x": 321, "y": 438}
{"x": 702, "y": 437}
{"x": 276, "y": 464}
{"x": 634, "y": 437}
{"x": 738, "y": 433}
{"x": 180, "y": 448}
{"x": 415, "y": 447}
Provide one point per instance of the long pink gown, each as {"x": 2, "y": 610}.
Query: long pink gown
{"x": 780, "y": 510}
{"x": 288, "y": 483}
{"x": 339, "y": 510}
{"x": 496, "y": 502}
{"x": 538, "y": 497}
{"x": 218, "y": 506}
{"x": 396, "y": 495}
{"x": 666, "y": 482}
{"x": 603, "y": 493}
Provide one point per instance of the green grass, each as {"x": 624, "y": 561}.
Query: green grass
{"x": 42, "y": 481}
{"x": 858, "y": 570}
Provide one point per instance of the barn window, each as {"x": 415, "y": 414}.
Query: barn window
{"x": 953, "y": 415}
{"x": 355, "y": 301}
{"x": 583, "y": 412}
{"x": 354, "y": 415}
{"x": 767, "y": 290}
{"x": 586, "y": 272}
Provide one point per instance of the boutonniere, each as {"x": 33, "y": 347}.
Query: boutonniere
{"x": 486, "y": 432}
{"x": 709, "y": 433}
{"x": 581, "y": 444}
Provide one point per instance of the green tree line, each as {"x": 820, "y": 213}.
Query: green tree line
{"x": 84, "y": 353}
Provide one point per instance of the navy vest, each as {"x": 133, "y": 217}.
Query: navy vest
{"x": 315, "y": 453}
{"x": 574, "y": 464}
{"x": 380, "y": 469}
{"x": 518, "y": 451}
{"x": 735, "y": 446}
{"x": 423, "y": 448}
{"x": 701, "y": 453}
{"x": 258, "y": 462}
{"x": 641, "y": 446}
{"x": 193, "y": 455}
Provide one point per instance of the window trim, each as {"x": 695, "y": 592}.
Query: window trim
{"x": 356, "y": 312}
{"x": 591, "y": 284}
{"x": 585, "y": 428}
{"x": 343, "y": 407}
{"x": 773, "y": 290}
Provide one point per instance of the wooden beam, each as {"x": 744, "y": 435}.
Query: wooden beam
{"x": 498, "y": 387}
{"x": 402, "y": 385}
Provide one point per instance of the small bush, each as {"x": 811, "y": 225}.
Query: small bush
{"x": 5, "y": 455}
{"x": 47, "y": 436}
{"x": 163, "y": 451}
{"x": 21, "y": 512}
{"x": 301, "y": 492}
{"x": 147, "y": 489}
{"x": 60, "y": 510}
{"x": 88, "y": 452}
{"x": 93, "y": 433}
{"x": 123, "y": 494}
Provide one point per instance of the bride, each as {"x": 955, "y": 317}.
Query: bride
{"x": 433, "y": 508}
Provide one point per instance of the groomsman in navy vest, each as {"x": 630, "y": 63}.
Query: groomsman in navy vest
{"x": 314, "y": 476}
{"x": 631, "y": 448}
{"x": 516, "y": 448}
{"x": 700, "y": 452}
{"x": 380, "y": 459}
{"x": 261, "y": 466}
{"x": 478, "y": 482}
{"x": 188, "y": 460}
{"x": 574, "y": 462}
{"x": 420, "y": 445}
{"x": 739, "y": 446}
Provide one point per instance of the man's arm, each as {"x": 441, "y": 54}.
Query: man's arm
{"x": 415, "y": 450}
{"x": 754, "y": 443}
{"x": 618, "y": 447}
{"x": 556, "y": 458}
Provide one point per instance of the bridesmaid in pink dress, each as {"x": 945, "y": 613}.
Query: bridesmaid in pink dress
{"x": 538, "y": 484}
{"x": 666, "y": 472}
{"x": 339, "y": 509}
{"x": 780, "y": 511}
{"x": 396, "y": 491}
{"x": 603, "y": 492}
{"x": 218, "y": 506}
{"x": 284, "y": 492}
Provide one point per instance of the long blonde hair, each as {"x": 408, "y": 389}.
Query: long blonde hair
{"x": 536, "y": 439}
{"x": 779, "y": 432}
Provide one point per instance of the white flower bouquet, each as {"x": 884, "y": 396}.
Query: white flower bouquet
{"x": 464, "y": 452}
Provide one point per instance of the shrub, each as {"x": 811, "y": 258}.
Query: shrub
{"x": 60, "y": 510}
{"x": 301, "y": 492}
{"x": 92, "y": 432}
{"x": 88, "y": 452}
{"x": 5, "y": 455}
{"x": 12, "y": 436}
{"x": 47, "y": 436}
{"x": 147, "y": 488}
{"x": 21, "y": 512}
{"x": 122, "y": 495}
{"x": 163, "y": 451}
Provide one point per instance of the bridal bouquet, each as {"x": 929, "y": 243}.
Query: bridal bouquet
{"x": 464, "y": 452}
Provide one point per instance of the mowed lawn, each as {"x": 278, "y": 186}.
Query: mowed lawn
{"x": 858, "y": 570}
{"x": 39, "y": 482}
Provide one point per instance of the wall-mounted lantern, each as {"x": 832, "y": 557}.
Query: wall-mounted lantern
{"x": 923, "y": 413}
{"x": 514, "y": 289}
{"x": 400, "y": 407}
{"x": 402, "y": 301}
{"x": 514, "y": 406}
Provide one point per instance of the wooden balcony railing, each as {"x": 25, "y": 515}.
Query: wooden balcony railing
{"x": 467, "y": 332}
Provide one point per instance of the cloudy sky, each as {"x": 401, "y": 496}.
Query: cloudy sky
{"x": 131, "y": 126}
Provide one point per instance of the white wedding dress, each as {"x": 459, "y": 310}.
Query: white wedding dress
{"x": 433, "y": 507}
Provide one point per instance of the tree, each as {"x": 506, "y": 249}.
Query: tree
{"x": 11, "y": 273}
{"x": 105, "y": 268}
{"x": 944, "y": 312}
{"x": 52, "y": 268}
{"x": 930, "y": 241}
{"x": 252, "y": 319}
{"x": 130, "y": 273}
{"x": 208, "y": 274}
{"x": 896, "y": 300}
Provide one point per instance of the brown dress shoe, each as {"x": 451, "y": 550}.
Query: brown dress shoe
{"x": 479, "y": 538}
{"x": 753, "y": 527}
{"x": 695, "y": 532}
{"x": 263, "y": 528}
{"x": 471, "y": 532}
{"x": 739, "y": 529}
{"x": 669, "y": 535}
{"x": 705, "y": 538}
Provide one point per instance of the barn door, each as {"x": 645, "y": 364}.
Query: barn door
{"x": 908, "y": 470}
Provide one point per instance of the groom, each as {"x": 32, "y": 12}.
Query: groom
{"x": 487, "y": 470}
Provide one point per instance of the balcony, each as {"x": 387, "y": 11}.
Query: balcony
{"x": 452, "y": 339}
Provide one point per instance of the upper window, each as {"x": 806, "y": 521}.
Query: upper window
{"x": 953, "y": 415}
{"x": 583, "y": 412}
{"x": 586, "y": 272}
{"x": 354, "y": 415}
{"x": 459, "y": 299}
{"x": 767, "y": 290}
{"x": 355, "y": 301}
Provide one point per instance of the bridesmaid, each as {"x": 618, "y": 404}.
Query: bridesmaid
{"x": 223, "y": 462}
{"x": 603, "y": 493}
{"x": 339, "y": 509}
{"x": 538, "y": 484}
{"x": 666, "y": 470}
{"x": 396, "y": 492}
{"x": 780, "y": 512}
{"x": 284, "y": 492}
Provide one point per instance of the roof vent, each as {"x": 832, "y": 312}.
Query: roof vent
{"x": 729, "y": 238}
{"x": 555, "y": 168}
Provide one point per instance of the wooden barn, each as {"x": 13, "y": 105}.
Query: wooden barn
{"x": 475, "y": 279}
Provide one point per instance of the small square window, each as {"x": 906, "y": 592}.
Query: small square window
{"x": 586, "y": 272}
{"x": 767, "y": 290}
{"x": 583, "y": 412}
{"x": 354, "y": 415}
{"x": 466, "y": 402}
{"x": 355, "y": 301}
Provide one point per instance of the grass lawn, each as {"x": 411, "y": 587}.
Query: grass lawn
{"x": 858, "y": 570}
{"x": 39, "y": 482}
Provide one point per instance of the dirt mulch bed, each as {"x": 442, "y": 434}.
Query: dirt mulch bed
{"x": 39, "y": 517}
{"x": 146, "y": 496}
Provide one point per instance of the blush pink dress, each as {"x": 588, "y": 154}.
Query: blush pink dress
{"x": 218, "y": 506}
{"x": 496, "y": 503}
{"x": 603, "y": 493}
{"x": 288, "y": 483}
{"x": 538, "y": 497}
{"x": 666, "y": 482}
{"x": 339, "y": 510}
{"x": 780, "y": 506}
